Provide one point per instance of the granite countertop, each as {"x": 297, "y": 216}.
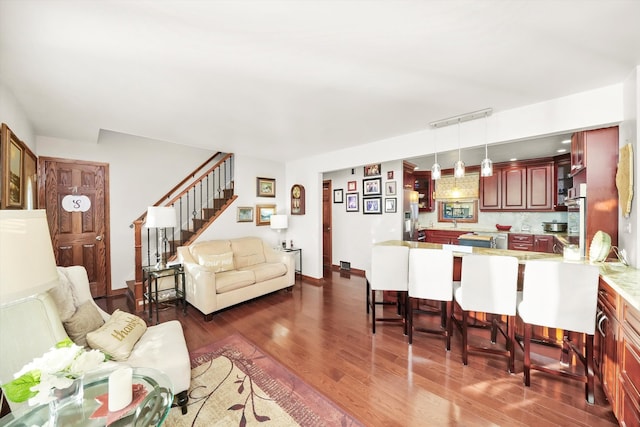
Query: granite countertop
{"x": 479, "y": 229}
{"x": 623, "y": 279}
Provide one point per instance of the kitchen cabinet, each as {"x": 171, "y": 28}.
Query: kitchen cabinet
{"x": 407, "y": 175}
{"x": 563, "y": 181}
{"x": 577, "y": 152}
{"x": 518, "y": 187}
{"x": 605, "y": 342}
{"x": 532, "y": 242}
{"x": 629, "y": 368}
{"x": 445, "y": 237}
{"x": 424, "y": 186}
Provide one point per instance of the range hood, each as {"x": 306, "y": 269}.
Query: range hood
{"x": 451, "y": 188}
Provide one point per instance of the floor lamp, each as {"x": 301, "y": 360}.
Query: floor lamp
{"x": 279, "y": 223}
{"x": 161, "y": 218}
{"x": 27, "y": 262}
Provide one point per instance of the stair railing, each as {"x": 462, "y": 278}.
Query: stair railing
{"x": 197, "y": 201}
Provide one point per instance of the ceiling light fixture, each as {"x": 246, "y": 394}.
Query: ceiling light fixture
{"x": 458, "y": 167}
{"x": 486, "y": 166}
{"x": 436, "y": 170}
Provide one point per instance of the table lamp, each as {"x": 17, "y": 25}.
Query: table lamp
{"x": 279, "y": 223}
{"x": 27, "y": 261}
{"x": 161, "y": 218}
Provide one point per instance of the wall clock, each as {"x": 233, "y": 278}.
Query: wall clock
{"x": 297, "y": 200}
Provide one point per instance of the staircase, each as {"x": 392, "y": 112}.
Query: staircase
{"x": 198, "y": 199}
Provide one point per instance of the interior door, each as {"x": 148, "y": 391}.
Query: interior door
{"x": 326, "y": 228}
{"x": 79, "y": 226}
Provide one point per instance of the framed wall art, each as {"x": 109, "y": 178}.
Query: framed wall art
{"x": 351, "y": 186}
{"x": 352, "y": 202}
{"x": 337, "y": 196}
{"x": 390, "y": 188}
{"x": 263, "y": 214}
{"x": 265, "y": 187}
{"x": 389, "y": 174}
{"x": 390, "y": 205}
{"x": 372, "y": 187}
{"x": 245, "y": 214}
{"x": 372, "y": 205}
{"x": 372, "y": 170}
{"x": 14, "y": 154}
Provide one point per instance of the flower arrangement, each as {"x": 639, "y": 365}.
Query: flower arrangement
{"x": 57, "y": 368}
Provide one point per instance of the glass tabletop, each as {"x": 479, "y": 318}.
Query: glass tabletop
{"x": 153, "y": 396}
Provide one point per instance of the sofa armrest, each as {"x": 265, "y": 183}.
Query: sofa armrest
{"x": 287, "y": 258}
{"x": 200, "y": 283}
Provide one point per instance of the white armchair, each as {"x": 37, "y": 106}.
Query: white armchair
{"x": 161, "y": 347}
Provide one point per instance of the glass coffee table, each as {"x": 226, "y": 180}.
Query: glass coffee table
{"x": 153, "y": 396}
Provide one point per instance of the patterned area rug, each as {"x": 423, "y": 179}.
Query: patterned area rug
{"x": 235, "y": 384}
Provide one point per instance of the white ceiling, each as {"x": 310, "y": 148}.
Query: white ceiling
{"x": 287, "y": 79}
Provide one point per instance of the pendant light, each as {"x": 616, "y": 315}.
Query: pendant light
{"x": 486, "y": 167}
{"x": 458, "y": 167}
{"x": 436, "y": 170}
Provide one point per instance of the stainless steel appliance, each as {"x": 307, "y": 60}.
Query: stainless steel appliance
{"x": 410, "y": 215}
{"x": 577, "y": 217}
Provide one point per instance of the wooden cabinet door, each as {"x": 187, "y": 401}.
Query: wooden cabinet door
{"x": 578, "y": 152}
{"x": 540, "y": 185}
{"x": 491, "y": 191}
{"x": 424, "y": 186}
{"x": 514, "y": 194}
{"x": 544, "y": 243}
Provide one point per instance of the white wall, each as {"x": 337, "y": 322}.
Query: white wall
{"x": 12, "y": 114}
{"x": 354, "y": 232}
{"x": 628, "y": 233}
{"x": 592, "y": 109}
{"x": 141, "y": 171}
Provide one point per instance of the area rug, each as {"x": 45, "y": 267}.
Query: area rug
{"x": 233, "y": 383}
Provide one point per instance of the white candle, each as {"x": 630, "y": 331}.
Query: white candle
{"x": 120, "y": 388}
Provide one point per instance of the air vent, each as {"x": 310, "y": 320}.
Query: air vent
{"x": 344, "y": 265}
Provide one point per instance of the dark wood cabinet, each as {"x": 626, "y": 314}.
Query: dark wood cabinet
{"x": 578, "y": 152}
{"x": 407, "y": 175}
{"x": 605, "y": 342}
{"x": 518, "y": 187}
{"x": 629, "y": 368}
{"x": 532, "y": 242}
{"x": 444, "y": 237}
{"x": 423, "y": 184}
{"x": 544, "y": 243}
{"x": 563, "y": 181}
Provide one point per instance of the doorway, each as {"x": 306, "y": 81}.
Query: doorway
{"x": 326, "y": 228}
{"x": 79, "y": 224}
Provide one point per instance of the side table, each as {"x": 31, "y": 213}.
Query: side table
{"x": 298, "y": 251}
{"x": 151, "y": 275}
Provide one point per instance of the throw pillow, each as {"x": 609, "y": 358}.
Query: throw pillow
{"x": 118, "y": 335}
{"x": 63, "y": 297}
{"x": 217, "y": 263}
{"x": 85, "y": 319}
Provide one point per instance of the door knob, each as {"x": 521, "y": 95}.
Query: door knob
{"x": 99, "y": 238}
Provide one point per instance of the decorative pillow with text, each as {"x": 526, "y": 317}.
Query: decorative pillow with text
{"x": 118, "y": 335}
{"x": 217, "y": 263}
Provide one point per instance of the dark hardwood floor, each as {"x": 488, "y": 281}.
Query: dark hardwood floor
{"x": 323, "y": 335}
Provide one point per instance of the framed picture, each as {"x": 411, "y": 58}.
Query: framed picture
{"x": 372, "y": 187}
{"x": 458, "y": 211}
{"x": 245, "y": 214}
{"x": 352, "y": 202}
{"x": 12, "y": 159}
{"x": 389, "y": 174}
{"x": 390, "y": 188}
{"x": 372, "y": 170}
{"x": 372, "y": 205}
{"x": 351, "y": 186}
{"x": 337, "y": 196}
{"x": 390, "y": 205}
{"x": 263, "y": 214}
{"x": 265, "y": 187}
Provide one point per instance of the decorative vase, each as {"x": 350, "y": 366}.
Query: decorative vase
{"x": 63, "y": 397}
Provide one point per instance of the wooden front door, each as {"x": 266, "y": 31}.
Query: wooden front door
{"x": 80, "y": 236}
{"x": 326, "y": 227}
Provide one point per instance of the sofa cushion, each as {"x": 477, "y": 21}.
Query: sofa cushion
{"x": 86, "y": 319}
{"x": 234, "y": 279}
{"x": 267, "y": 270}
{"x": 210, "y": 247}
{"x": 247, "y": 251}
{"x": 217, "y": 262}
{"x": 118, "y": 335}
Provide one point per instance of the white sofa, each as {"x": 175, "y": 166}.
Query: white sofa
{"x": 31, "y": 326}
{"x": 222, "y": 273}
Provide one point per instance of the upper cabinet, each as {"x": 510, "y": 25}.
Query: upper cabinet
{"x": 563, "y": 181}
{"x": 578, "y": 152}
{"x": 518, "y": 187}
{"x": 423, "y": 184}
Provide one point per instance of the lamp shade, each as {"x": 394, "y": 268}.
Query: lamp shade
{"x": 27, "y": 262}
{"x": 161, "y": 217}
{"x": 279, "y": 222}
